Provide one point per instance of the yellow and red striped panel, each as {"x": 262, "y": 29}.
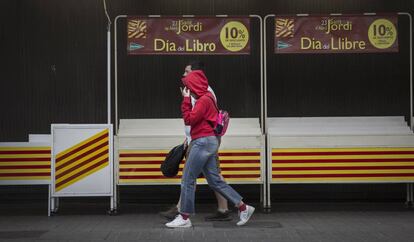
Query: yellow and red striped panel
{"x": 24, "y": 163}
{"x": 81, "y": 160}
{"x": 143, "y": 166}
{"x": 343, "y": 165}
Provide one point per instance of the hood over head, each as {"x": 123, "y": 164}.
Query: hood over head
{"x": 197, "y": 82}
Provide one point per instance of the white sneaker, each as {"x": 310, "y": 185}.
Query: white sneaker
{"x": 179, "y": 222}
{"x": 245, "y": 215}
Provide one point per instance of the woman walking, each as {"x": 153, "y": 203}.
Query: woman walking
{"x": 202, "y": 156}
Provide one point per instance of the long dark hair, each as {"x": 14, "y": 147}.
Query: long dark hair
{"x": 196, "y": 65}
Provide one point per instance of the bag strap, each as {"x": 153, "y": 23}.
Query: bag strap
{"x": 215, "y": 105}
{"x": 215, "y": 102}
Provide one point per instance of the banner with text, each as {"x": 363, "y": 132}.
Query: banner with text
{"x": 336, "y": 34}
{"x": 187, "y": 36}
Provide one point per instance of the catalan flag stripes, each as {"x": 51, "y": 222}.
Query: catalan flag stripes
{"x": 81, "y": 160}
{"x": 24, "y": 163}
{"x": 284, "y": 27}
{"x": 143, "y": 166}
{"x": 137, "y": 28}
{"x": 343, "y": 165}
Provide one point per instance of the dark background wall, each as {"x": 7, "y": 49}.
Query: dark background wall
{"x": 53, "y": 70}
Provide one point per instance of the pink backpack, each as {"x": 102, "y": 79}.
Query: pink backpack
{"x": 222, "y": 121}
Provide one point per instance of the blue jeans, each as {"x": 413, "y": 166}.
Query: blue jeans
{"x": 202, "y": 158}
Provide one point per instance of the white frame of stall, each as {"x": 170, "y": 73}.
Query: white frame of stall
{"x": 262, "y": 100}
{"x": 410, "y": 188}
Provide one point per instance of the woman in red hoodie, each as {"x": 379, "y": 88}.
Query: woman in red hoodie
{"x": 202, "y": 156}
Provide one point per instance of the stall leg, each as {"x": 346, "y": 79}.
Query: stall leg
{"x": 114, "y": 202}
{"x": 268, "y": 205}
{"x": 409, "y": 199}
{"x": 115, "y": 193}
{"x": 262, "y": 199}
{"x": 264, "y": 193}
{"x": 54, "y": 205}
{"x": 114, "y": 198}
{"x": 49, "y": 201}
{"x": 268, "y": 178}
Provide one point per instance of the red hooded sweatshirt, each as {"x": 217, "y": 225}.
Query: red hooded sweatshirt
{"x": 201, "y": 117}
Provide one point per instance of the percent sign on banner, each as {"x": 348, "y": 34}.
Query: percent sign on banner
{"x": 234, "y": 36}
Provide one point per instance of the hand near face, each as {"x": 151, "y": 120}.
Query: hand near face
{"x": 185, "y": 92}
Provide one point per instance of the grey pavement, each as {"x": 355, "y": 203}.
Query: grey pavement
{"x": 348, "y": 222}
